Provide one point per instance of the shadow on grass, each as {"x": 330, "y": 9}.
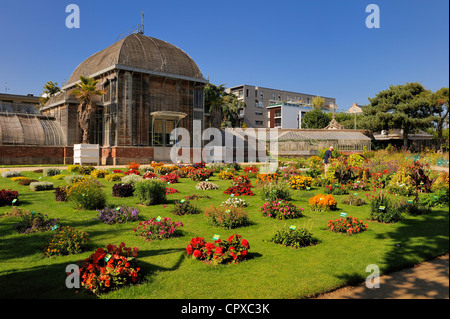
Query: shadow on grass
{"x": 416, "y": 239}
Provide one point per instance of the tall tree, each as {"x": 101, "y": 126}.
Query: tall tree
{"x": 214, "y": 102}
{"x": 50, "y": 89}
{"x": 86, "y": 92}
{"x": 439, "y": 100}
{"x": 231, "y": 108}
{"x": 404, "y": 107}
{"x": 318, "y": 102}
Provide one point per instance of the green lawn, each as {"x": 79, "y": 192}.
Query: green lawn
{"x": 272, "y": 271}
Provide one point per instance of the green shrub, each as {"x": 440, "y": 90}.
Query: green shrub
{"x": 273, "y": 191}
{"x": 41, "y": 186}
{"x": 87, "y": 195}
{"x": 227, "y": 217}
{"x": 151, "y": 192}
{"x": 132, "y": 179}
{"x": 50, "y": 171}
{"x": 184, "y": 207}
{"x": 99, "y": 173}
{"x": 437, "y": 199}
{"x": 353, "y": 200}
{"x": 73, "y": 178}
{"x": 116, "y": 177}
{"x": 73, "y": 168}
{"x": 383, "y": 210}
{"x": 296, "y": 238}
{"x": 65, "y": 241}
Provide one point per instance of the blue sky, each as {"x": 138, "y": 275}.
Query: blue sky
{"x": 319, "y": 47}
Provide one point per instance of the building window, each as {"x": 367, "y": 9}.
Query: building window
{"x": 278, "y": 122}
{"x": 246, "y": 92}
{"x": 258, "y": 113}
{"x": 262, "y": 95}
{"x": 259, "y": 122}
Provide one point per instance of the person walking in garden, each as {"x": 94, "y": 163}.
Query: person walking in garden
{"x": 327, "y": 157}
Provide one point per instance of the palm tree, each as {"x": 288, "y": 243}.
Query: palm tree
{"x": 86, "y": 91}
{"x": 214, "y": 102}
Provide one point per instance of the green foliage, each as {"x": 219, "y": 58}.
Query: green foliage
{"x": 87, "y": 195}
{"x": 383, "y": 210}
{"x": 185, "y": 207}
{"x": 297, "y": 238}
{"x": 315, "y": 119}
{"x": 41, "y": 186}
{"x": 150, "y": 192}
{"x": 50, "y": 171}
{"x": 273, "y": 191}
{"x": 228, "y": 217}
{"x": 353, "y": 200}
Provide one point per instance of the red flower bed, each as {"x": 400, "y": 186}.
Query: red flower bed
{"x": 108, "y": 269}
{"x": 7, "y": 196}
{"x": 232, "y": 250}
{"x": 241, "y": 186}
{"x": 132, "y": 171}
{"x": 117, "y": 171}
{"x": 149, "y": 175}
{"x": 200, "y": 174}
{"x": 169, "y": 178}
{"x": 170, "y": 190}
{"x": 347, "y": 225}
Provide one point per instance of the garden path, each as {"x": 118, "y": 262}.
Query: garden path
{"x": 428, "y": 280}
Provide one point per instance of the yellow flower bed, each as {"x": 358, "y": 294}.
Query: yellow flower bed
{"x": 18, "y": 178}
{"x": 226, "y": 175}
{"x": 300, "y": 182}
{"x": 270, "y": 177}
{"x": 99, "y": 173}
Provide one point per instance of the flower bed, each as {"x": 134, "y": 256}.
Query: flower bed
{"x": 322, "y": 203}
{"x": 33, "y": 222}
{"x": 226, "y": 175}
{"x": 169, "y": 178}
{"x": 149, "y": 175}
{"x": 270, "y": 177}
{"x": 109, "y": 269}
{"x": 118, "y": 215}
{"x": 206, "y": 186}
{"x": 300, "y": 182}
{"x": 232, "y": 250}
{"x": 281, "y": 209}
{"x": 184, "y": 207}
{"x": 123, "y": 190}
{"x": 66, "y": 241}
{"x": 295, "y": 238}
{"x": 200, "y": 174}
{"x": 227, "y": 217}
{"x": 7, "y": 197}
{"x": 241, "y": 186}
{"x": 349, "y": 225}
{"x": 170, "y": 190}
{"x": 158, "y": 228}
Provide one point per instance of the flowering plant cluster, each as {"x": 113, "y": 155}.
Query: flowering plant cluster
{"x": 133, "y": 166}
{"x": 270, "y": 177}
{"x": 251, "y": 169}
{"x": 241, "y": 186}
{"x": 322, "y": 202}
{"x": 169, "y": 178}
{"x": 200, "y": 174}
{"x": 117, "y": 171}
{"x": 232, "y": 250}
{"x": 61, "y": 193}
{"x": 170, "y": 190}
{"x": 35, "y": 222}
{"x": 107, "y": 269}
{"x": 234, "y": 202}
{"x": 155, "y": 164}
{"x": 132, "y": 171}
{"x": 99, "y": 173}
{"x": 67, "y": 240}
{"x": 149, "y": 175}
{"x": 300, "y": 182}
{"x": 295, "y": 238}
{"x": 206, "y": 186}
{"x": 281, "y": 209}
{"x": 195, "y": 197}
{"x": 118, "y": 215}
{"x": 115, "y": 177}
{"x": 226, "y": 175}
{"x": 7, "y": 196}
{"x": 199, "y": 165}
{"x": 349, "y": 225}
{"x": 336, "y": 189}
{"x": 158, "y": 228}
{"x": 87, "y": 194}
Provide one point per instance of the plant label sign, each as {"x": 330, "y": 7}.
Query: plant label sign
{"x": 158, "y": 218}
{"x": 55, "y": 227}
{"x": 343, "y": 214}
{"x": 308, "y": 188}
{"x": 107, "y": 257}
{"x": 216, "y": 237}
{"x": 292, "y": 227}
{"x": 14, "y": 200}
{"x": 382, "y": 207}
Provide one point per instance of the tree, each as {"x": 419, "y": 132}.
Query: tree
{"x": 50, "y": 89}
{"x": 404, "y": 107}
{"x": 439, "y": 100}
{"x": 213, "y": 102}
{"x": 223, "y": 107}
{"x": 230, "y": 109}
{"x": 86, "y": 91}
{"x": 315, "y": 119}
{"x": 318, "y": 102}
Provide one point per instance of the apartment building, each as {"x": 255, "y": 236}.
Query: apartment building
{"x": 258, "y": 99}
